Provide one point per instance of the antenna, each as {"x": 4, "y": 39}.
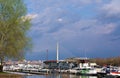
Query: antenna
{"x": 85, "y": 54}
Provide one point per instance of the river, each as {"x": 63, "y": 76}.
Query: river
{"x": 58, "y": 76}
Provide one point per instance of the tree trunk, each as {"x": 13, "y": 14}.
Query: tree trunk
{"x": 1, "y": 68}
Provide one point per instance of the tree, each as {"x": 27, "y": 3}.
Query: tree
{"x": 13, "y": 28}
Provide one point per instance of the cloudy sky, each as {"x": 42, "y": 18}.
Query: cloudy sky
{"x": 83, "y": 28}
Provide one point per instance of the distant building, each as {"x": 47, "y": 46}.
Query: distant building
{"x": 68, "y": 63}
{"x": 77, "y": 60}
{"x": 80, "y": 62}
{"x": 51, "y": 64}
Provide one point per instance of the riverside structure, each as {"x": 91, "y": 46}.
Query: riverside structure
{"x": 77, "y": 66}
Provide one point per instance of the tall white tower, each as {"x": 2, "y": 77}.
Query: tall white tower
{"x": 57, "y": 54}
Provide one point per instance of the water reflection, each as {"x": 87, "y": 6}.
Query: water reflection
{"x": 58, "y": 76}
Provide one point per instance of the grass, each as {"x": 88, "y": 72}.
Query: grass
{"x": 3, "y": 73}
{"x": 8, "y": 75}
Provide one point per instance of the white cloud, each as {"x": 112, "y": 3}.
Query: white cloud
{"x": 60, "y": 19}
{"x": 112, "y": 8}
{"x": 84, "y": 2}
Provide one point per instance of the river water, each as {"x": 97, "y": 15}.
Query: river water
{"x": 58, "y": 76}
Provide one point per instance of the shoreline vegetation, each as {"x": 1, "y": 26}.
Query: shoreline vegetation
{"x": 8, "y": 75}
{"x": 114, "y": 61}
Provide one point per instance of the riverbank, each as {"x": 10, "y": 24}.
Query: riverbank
{"x": 8, "y": 75}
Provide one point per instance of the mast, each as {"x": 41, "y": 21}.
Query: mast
{"x": 57, "y": 54}
{"x": 47, "y": 54}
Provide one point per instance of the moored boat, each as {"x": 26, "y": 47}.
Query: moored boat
{"x": 115, "y": 73}
{"x": 87, "y": 71}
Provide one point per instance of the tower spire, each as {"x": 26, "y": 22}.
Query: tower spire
{"x": 57, "y": 54}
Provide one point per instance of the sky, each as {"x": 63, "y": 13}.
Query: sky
{"x": 83, "y": 28}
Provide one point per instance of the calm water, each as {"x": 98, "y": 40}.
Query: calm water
{"x": 58, "y": 76}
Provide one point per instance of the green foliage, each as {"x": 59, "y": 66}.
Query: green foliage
{"x": 13, "y": 29}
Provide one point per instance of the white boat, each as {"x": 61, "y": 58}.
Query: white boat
{"x": 84, "y": 71}
{"x": 87, "y": 71}
{"x": 115, "y": 73}
{"x": 73, "y": 71}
